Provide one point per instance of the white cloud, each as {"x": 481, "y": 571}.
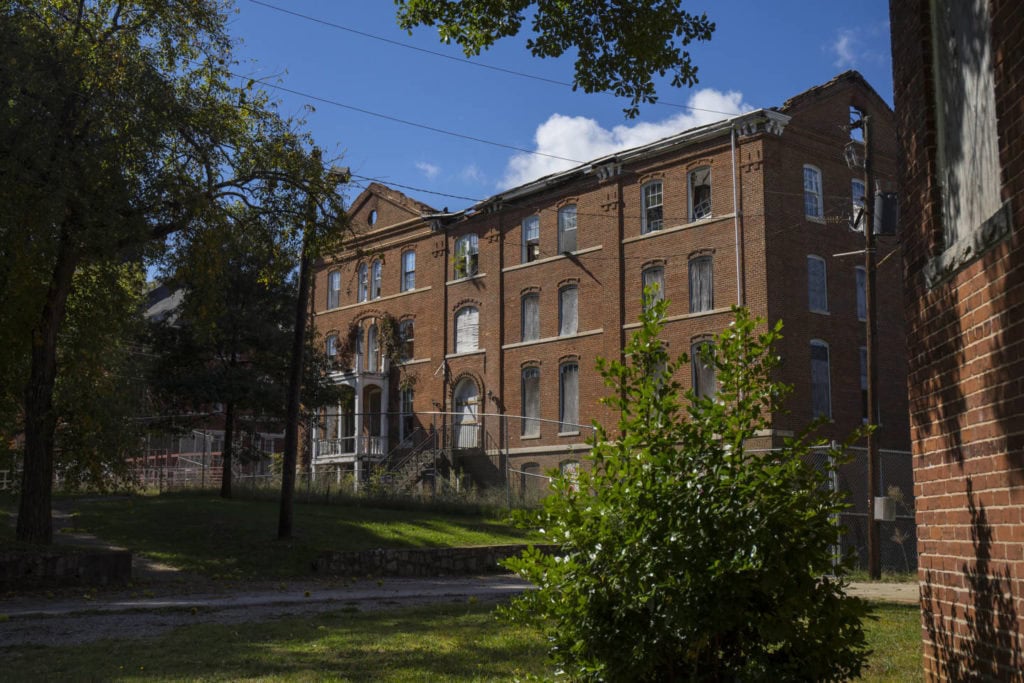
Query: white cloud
{"x": 581, "y": 139}
{"x": 845, "y": 48}
{"x": 428, "y": 169}
{"x": 472, "y": 173}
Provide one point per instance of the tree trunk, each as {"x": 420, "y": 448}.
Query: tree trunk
{"x": 291, "y": 428}
{"x": 35, "y": 524}
{"x": 228, "y": 452}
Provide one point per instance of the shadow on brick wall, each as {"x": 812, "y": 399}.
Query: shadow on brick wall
{"x": 978, "y": 639}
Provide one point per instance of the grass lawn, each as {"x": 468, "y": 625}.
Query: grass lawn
{"x": 236, "y": 539}
{"x": 439, "y": 643}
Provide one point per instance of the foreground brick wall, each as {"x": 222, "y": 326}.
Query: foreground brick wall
{"x": 966, "y": 337}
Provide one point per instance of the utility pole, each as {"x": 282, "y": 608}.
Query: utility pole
{"x": 871, "y": 341}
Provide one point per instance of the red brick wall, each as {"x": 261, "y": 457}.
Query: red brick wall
{"x": 607, "y": 268}
{"x": 966, "y": 337}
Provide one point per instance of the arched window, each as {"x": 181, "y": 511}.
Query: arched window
{"x": 813, "y": 207}
{"x": 531, "y": 239}
{"x": 408, "y": 270}
{"x": 333, "y": 289}
{"x": 568, "y": 310}
{"x": 531, "y": 402}
{"x": 817, "y": 285}
{"x": 364, "y": 282}
{"x": 372, "y": 349}
{"x": 376, "y": 281}
{"x": 653, "y": 277}
{"x": 466, "y": 260}
{"x": 406, "y": 338}
{"x": 652, "y": 201}
{"x": 702, "y": 284}
{"x": 567, "y": 229}
{"x": 704, "y": 382}
{"x": 569, "y": 397}
{"x": 467, "y": 329}
{"x": 531, "y": 316}
{"x": 699, "y": 188}
{"x": 331, "y": 348}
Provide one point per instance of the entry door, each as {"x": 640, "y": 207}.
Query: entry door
{"x": 467, "y": 406}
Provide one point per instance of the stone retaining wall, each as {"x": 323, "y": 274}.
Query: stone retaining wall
{"x": 85, "y": 568}
{"x": 423, "y": 562}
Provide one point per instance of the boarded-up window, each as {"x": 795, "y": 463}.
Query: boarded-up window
{"x": 531, "y": 317}
{"x": 702, "y": 286}
{"x": 467, "y": 326}
{"x": 569, "y": 397}
{"x": 702, "y": 362}
{"x": 568, "y": 310}
{"x": 531, "y": 401}
{"x": 567, "y": 229}
{"x": 654, "y": 279}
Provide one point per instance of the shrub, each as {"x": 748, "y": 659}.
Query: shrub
{"x": 683, "y": 556}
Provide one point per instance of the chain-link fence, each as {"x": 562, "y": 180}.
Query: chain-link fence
{"x": 194, "y": 460}
{"x": 898, "y": 538}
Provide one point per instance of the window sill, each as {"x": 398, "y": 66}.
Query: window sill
{"x": 679, "y": 228}
{"x": 969, "y": 247}
{"x": 547, "y": 340}
{"x": 462, "y": 354}
{"x": 817, "y": 312}
{"x": 412, "y": 361}
{"x": 684, "y": 316}
{"x": 468, "y": 278}
{"x": 372, "y": 301}
{"x": 529, "y": 438}
{"x": 549, "y": 259}
{"x": 815, "y": 219}
{"x": 568, "y": 433}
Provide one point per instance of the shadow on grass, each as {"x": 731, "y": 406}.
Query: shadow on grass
{"x": 437, "y": 643}
{"x": 236, "y": 539}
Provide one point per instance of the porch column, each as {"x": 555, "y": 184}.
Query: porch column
{"x": 357, "y": 406}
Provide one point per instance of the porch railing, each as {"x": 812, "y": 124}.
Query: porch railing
{"x": 351, "y": 445}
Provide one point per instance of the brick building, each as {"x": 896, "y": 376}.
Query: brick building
{"x": 479, "y": 329}
{"x": 959, "y": 88}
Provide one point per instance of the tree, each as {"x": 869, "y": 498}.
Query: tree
{"x": 619, "y": 45}
{"x": 228, "y": 341}
{"x": 122, "y": 125}
{"x": 683, "y": 556}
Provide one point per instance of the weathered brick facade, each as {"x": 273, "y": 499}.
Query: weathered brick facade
{"x": 965, "y": 329}
{"x": 755, "y": 166}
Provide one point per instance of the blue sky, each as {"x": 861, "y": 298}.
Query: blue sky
{"x": 761, "y": 54}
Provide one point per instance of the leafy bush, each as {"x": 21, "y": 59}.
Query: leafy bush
{"x": 683, "y": 556}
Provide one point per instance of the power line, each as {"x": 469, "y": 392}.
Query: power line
{"x": 415, "y": 189}
{"x": 406, "y": 122}
{"x": 466, "y": 62}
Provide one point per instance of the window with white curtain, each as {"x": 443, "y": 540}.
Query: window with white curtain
{"x": 567, "y": 229}
{"x": 699, "y": 186}
{"x": 467, "y": 329}
{"x": 334, "y": 289}
{"x": 862, "y": 302}
{"x": 408, "y": 270}
{"x": 704, "y": 382}
{"x": 702, "y": 285}
{"x": 568, "y": 310}
{"x": 331, "y": 348}
{"x": 817, "y": 285}
{"x": 531, "y": 316}
{"x": 568, "y": 397}
{"x": 652, "y": 200}
{"x": 376, "y": 278}
{"x": 531, "y": 402}
{"x": 406, "y": 340}
{"x": 821, "y": 389}
{"x": 531, "y": 239}
{"x": 364, "y": 282}
{"x": 653, "y": 278}
{"x": 372, "y": 349}
{"x": 813, "y": 207}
